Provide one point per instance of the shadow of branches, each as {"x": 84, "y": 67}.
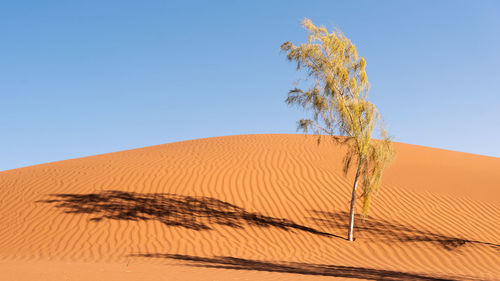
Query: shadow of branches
{"x": 296, "y": 268}
{"x": 197, "y": 213}
{"x": 391, "y": 231}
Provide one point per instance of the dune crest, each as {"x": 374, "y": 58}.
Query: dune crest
{"x": 272, "y": 206}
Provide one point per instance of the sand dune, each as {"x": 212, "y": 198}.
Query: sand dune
{"x": 251, "y": 207}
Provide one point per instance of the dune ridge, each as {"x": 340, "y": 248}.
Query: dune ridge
{"x": 267, "y": 205}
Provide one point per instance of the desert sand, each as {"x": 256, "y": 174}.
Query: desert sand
{"x": 249, "y": 207}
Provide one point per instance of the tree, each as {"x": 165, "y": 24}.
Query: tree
{"x": 337, "y": 97}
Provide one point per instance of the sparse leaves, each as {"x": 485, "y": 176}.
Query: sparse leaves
{"x": 338, "y": 102}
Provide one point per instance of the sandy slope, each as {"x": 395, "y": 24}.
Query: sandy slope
{"x": 252, "y": 207}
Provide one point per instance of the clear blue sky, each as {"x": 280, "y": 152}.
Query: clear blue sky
{"x": 80, "y": 78}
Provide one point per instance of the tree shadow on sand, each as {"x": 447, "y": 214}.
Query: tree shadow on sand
{"x": 196, "y": 213}
{"x": 297, "y": 268}
{"x": 391, "y": 231}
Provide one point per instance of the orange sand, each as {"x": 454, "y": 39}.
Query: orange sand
{"x": 252, "y": 207}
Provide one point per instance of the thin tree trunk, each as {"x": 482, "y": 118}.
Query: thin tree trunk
{"x": 353, "y": 201}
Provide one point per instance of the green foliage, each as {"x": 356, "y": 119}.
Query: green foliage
{"x": 337, "y": 99}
